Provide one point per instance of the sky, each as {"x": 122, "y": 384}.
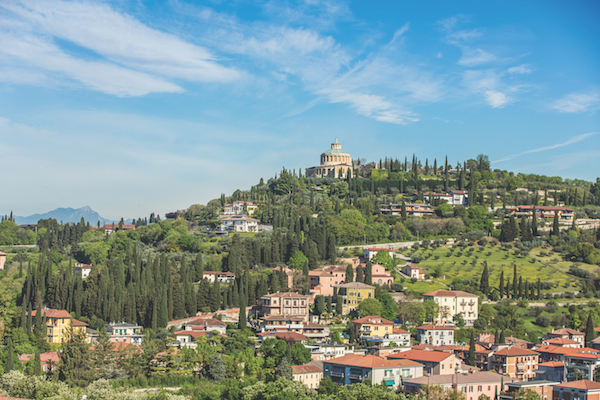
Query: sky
{"x": 133, "y": 107}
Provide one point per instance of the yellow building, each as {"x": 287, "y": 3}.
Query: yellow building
{"x": 335, "y": 163}
{"x": 58, "y": 323}
{"x": 351, "y": 294}
{"x": 372, "y": 325}
{"x": 308, "y": 374}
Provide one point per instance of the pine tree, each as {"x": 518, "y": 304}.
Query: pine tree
{"x": 216, "y": 368}
{"x": 484, "y": 282}
{"x": 284, "y": 369}
{"x": 501, "y": 285}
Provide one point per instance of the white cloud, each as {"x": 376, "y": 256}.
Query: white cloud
{"x": 496, "y": 99}
{"x": 439, "y": 55}
{"x": 474, "y": 57}
{"x": 577, "y": 102}
{"x": 573, "y": 140}
{"x": 133, "y": 58}
{"x": 521, "y": 69}
{"x": 400, "y": 32}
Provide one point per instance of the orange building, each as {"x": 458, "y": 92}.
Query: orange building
{"x": 515, "y": 362}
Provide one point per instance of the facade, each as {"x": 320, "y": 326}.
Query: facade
{"x": 413, "y": 271}
{"x": 551, "y": 371}
{"x": 286, "y": 323}
{"x": 323, "y": 280}
{"x": 308, "y": 374}
{"x": 577, "y": 390}
{"x": 206, "y": 325}
{"x": 412, "y": 209}
{"x": 399, "y": 337}
{"x": 372, "y": 326}
{"x": 239, "y": 207}
{"x": 2, "y": 259}
{"x": 239, "y": 223}
{"x": 547, "y": 212}
{"x": 351, "y": 369}
{"x": 542, "y": 388}
{"x": 453, "y": 302}
{"x": 372, "y": 252}
{"x": 472, "y": 384}
{"x": 125, "y": 333}
{"x": 566, "y": 333}
{"x": 58, "y": 324}
{"x": 434, "y": 362}
{"x": 515, "y": 362}
{"x": 437, "y": 335}
{"x": 110, "y": 228}
{"x": 335, "y": 163}
{"x": 351, "y": 294}
{"x": 222, "y": 277}
{"x": 288, "y": 304}
{"x": 83, "y": 270}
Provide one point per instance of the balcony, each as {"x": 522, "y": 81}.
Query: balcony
{"x": 337, "y": 374}
{"x": 355, "y": 376}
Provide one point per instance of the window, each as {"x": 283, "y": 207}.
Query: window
{"x": 480, "y": 388}
{"x": 471, "y": 389}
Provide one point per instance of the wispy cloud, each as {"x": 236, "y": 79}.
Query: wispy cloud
{"x": 578, "y": 102}
{"x": 400, "y": 32}
{"x": 573, "y": 140}
{"x": 473, "y": 57}
{"x": 520, "y": 69}
{"x": 129, "y": 58}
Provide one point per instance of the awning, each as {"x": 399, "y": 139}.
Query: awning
{"x": 390, "y": 383}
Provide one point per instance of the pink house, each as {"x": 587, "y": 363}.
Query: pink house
{"x": 322, "y": 280}
{"x": 472, "y": 384}
{"x": 413, "y": 271}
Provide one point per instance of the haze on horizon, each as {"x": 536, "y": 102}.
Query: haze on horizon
{"x": 140, "y": 107}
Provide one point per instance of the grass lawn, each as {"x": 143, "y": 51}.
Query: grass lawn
{"x": 466, "y": 264}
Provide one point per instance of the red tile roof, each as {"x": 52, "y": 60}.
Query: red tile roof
{"x": 75, "y": 322}
{"x": 422, "y": 355}
{"x": 286, "y": 294}
{"x": 566, "y": 331}
{"x": 206, "y": 322}
{"x": 552, "y": 364}
{"x": 450, "y": 293}
{"x": 373, "y": 320}
{"x": 369, "y": 361}
{"x": 582, "y": 384}
{"x": 53, "y": 313}
{"x": 429, "y": 327}
{"x": 559, "y": 341}
{"x": 305, "y": 369}
{"x": 194, "y": 334}
{"x": 399, "y": 330}
{"x": 516, "y": 351}
{"x": 44, "y": 357}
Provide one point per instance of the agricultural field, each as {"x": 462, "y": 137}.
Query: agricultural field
{"x": 447, "y": 263}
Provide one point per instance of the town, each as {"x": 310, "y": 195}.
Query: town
{"x": 322, "y": 283}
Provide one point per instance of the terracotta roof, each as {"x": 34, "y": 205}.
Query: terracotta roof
{"x": 53, "y": 313}
{"x": 429, "y": 327}
{"x": 399, "y": 330}
{"x": 4, "y": 397}
{"x": 559, "y": 341}
{"x": 373, "y": 320}
{"x": 450, "y": 293}
{"x": 44, "y": 357}
{"x": 194, "y": 334}
{"x": 286, "y": 294}
{"x": 582, "y": 384}
{"x": 206, "y": 322}
{"x": 281, "y": 318}
{"x": 368, "y": 361}
{"x": 305, "y": 369}
{"x": 463, "y": 378}
{"x": 559, "y": 350}
{"x": 552, "y": 364}
{"x": 422, "y": 355}
{"x": 75, "y": 322}
{"x": 566, "y": 331}
{"x": 516, "y": 351}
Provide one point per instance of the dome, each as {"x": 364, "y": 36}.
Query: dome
{"x": 336, "y": 148}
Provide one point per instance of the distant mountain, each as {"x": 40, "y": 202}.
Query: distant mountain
{"x": 65, "y": 215}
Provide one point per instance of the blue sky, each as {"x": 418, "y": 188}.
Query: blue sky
{"x": 134, "y": 107}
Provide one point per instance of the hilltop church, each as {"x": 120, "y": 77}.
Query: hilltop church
{"x": 335, "y": 163}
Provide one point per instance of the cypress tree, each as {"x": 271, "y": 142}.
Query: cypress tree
{"x": 359, "y": 274}
{"x": 338, "y": 307}
{"x": 501, "y": 285}
{"x": 9, "y": 364}
{"x": 446, "y": 175}
{"x": 515, "y": 282}
{"x": 520, "y": 287}
{"x": 37, "y": 365}
{"x": 471, "y": 356}
{"x": 242, "y": 314}
{"x": 590, "y": 334}
{"x": 555, "y": 227}
{"x": 534, "y": 227}
{"x": 349, "y": 274}
{"x": 163, "y": 312}
{"x": 485, "y": 281}
{"x": 403, "y": 214}
{"x": 508, "y": 286}
{"x": 369, "y": 273}
{"x": 539, "y": 289}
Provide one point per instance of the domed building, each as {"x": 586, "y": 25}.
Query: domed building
{"x": 335, "y": 163}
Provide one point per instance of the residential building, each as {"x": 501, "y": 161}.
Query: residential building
{"x": 291, "y": 273}
{"x": 379, "y": 275}
{"x": 206, "y": 325}
{"x": 552, "y": 371}
{"x": 83, "y": 270}
{"x": 110, "y": 228}
{"x": 430, "y": 197}
{"x": 578, "y": 390}
{"x": 351, "y": 294}
{"x": 124, "y": 332}
{"x": 351, "y": 369}
{"x": 2, "y": 259}
{"x": 286, "y": 323}
{"x": 459, "y": 197}
{"x": 288, "y": 337}
{"x": 222, "y": 277}
{"x": 290, "y": 304}
{"x": 323, "y": 280}
{"x": 412, "y": 209}
{"x": 542, "y": 388}
{"x": 371, "y": 252}
{"x": 515, "y": 362}
{"x": 186, "y": 338}
{"x": 472, "y": 384}
{"x": 239, "y": 207}
{"x": 399, "y": 337}
{"x": 308, "y": 374}
{"x": 582, "y": 365}
{"x": 372, "y": 325}
{"x": 434, "y": 362}
{"x": 335, "y": 163}
{"x": 566, "y": 333}
{"x": 564, "y": 214}
{"x": 413, "y": 271}
{"x": 562, "y": 343}
{"x": 437, "y": 335}
{"x": 239, "y": 223}
{"x": 49, "y": 361}
{"x": 327, "y": 351}
{"x": 454, "y": 302}
{"x": 59, "y": 323}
